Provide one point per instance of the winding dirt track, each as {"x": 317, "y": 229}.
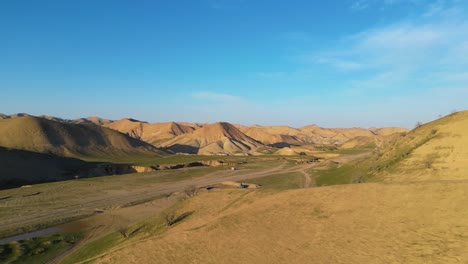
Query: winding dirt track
{"x": 112, "y": 198}
{"x": 104, "y": 199}
{"x": 98, "y": 200}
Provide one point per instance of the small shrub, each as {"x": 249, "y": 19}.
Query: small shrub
{"x": 418, "y": 124}
{"x": 191, "y": 191}
{"x": 360, "y": 179}
{"x": 170, "y": 218}
{"x": 428, "y": 163}
{"x": 433, "y": 131}
{"x": 123, "y": 230}
{"x": 120, "y": 225}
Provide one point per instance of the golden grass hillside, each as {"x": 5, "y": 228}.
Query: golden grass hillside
{"x": 93, "y": 119}
{"x": 360, "y": 141}
{"x": 151, "y": 133}
{"x": 272, "y": 135}
{"x": 67, "y": 139}
{"x": 362, "y": 223}
{"x": 313, "y": 134}
{"x": 286, "y": 152}
{"x": 434, "y": 151}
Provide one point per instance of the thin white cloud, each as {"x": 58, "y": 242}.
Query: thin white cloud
{"x": 400, "y": 37}
{"x": 417, "y": 54}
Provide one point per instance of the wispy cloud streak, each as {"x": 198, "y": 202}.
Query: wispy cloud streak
{"x": 218, "y": 97}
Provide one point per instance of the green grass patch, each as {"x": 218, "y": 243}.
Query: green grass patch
{"x": 148, "y": 228}
{"x": 183, "y": 159}
{"x": 142, "y": 201}
{"x": 353, "y": 151}
{"x": 284, "y": 181}
{"x": 94, "y": 248}
{"x": 42, "y": 225}
{"x": 156, "y": 176}
{"x": 338, "y": 175}
{"x": 39, "y": 249}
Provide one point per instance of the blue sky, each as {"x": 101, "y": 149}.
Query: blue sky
{"x": 332, "y": 63}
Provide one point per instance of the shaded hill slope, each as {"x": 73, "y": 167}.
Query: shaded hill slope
{"x": 19, "y": 167}
{"x": 66, "y": 139}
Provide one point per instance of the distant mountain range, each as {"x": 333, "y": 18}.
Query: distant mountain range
{"x": 176, "y": 137}
{"x": 36, "y": 149}
{"x": 225, "y": 138}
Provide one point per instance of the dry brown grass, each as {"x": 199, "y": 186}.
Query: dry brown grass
{"x": 444, "y": 156}
{"x": 367, "y": 223}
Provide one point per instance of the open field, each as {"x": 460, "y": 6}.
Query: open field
{"x": 41, "y": 205}
{"x": 107, "y": 204}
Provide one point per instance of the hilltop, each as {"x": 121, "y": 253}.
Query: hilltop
{"x": 85, "y": 120}
{"x": 217, "y": 138}
{"x": 92, "y": 119}
{"x": 151, "y": 133}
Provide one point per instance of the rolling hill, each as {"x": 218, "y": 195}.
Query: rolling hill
{"x": 433, "y": 151}
{"x": 70, "y": 140}
{"x": 282, "y": 136}
{"x": 151, "y": 133}
{"x": 218, "y": 138}
{"x": 273, "y": 135}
